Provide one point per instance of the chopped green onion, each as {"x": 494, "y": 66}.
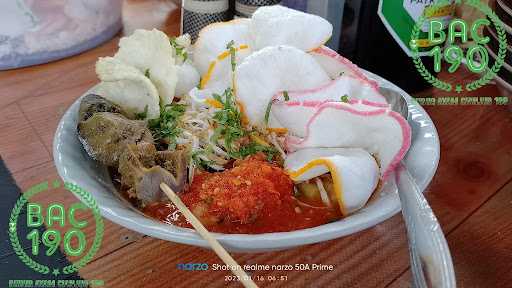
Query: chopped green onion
{"x": 228, "y": 119}
{"x": 180, "y": 50}
{"x": 286, "y": 97}
{"x": 232, "y": 53}
{"x": 230, "y": 129}
{"x": 230, "y": 44}
{"x": 200, "y": 162}
{"x": 142, "y": 115}
{"x": 267, "y": 112}
{"x": 344, "y": 98}
{"x": 166, "y": 126}
{"x": 254, "y": 148}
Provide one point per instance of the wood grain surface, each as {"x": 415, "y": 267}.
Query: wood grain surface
{"x": 471, "y": 193}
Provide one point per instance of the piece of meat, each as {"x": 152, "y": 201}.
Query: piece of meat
{"x": 241, "y": 194}
{"x": 175, "y": 162}
{"x": 141, "y": 173}
{"x": 148, "y": 188}
{"x": 93, "y": 103}
{"x": 133, "y": 159}
{"x": 105, "y": 135}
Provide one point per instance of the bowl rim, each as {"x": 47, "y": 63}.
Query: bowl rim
{"x": 254, "y": 242}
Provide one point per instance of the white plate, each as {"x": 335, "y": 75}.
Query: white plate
{"x": 74, "y": 165}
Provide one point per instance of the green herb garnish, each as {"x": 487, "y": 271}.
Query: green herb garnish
{"x": 267, "y": 112}
{"x": 147, "y": 73}
{"x": 229, "y": 127}
{"x": 180, "y": 50}
{"x": 228, "y": 119}
{"x": 166, "y": 127}
{"x": 232, "y": 53}
{"x": 344, "y": 98}
{"x": 142, "y": 115}
{"x": 200, "y": 162}
{"x": 231, "y": 44}
{"x": 286, "y": 97}
{"x": 254, "y": 148}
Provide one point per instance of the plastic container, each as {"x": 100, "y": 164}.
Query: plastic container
{"x": 35, "y": 32}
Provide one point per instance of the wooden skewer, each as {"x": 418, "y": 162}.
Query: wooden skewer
{"x": 219, "y": 250}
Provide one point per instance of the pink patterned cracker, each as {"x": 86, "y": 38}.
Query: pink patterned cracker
{"x": 380, "y": 131}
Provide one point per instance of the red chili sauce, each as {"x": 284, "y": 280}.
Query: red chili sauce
{"x": 253, "y": 197}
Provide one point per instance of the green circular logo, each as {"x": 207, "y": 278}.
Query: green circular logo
{"x": 51, "y": 238}
{"x": 453, "y": 54}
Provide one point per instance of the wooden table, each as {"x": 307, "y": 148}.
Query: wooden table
{"x": 471, "y": 194}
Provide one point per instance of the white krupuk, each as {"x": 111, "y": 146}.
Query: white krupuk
{"x": 379, "y": 131}
{"x": 214, "y": 38}
{"x": 271, "y": 70}
{"x": 221, "y": 77}
{"x": 150, "y": 51}
{"x": 278, "y": 25}
{"x": 355, "y": 173}
{"x": 188, "y": 78}
{"x": 127, "y": 87}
